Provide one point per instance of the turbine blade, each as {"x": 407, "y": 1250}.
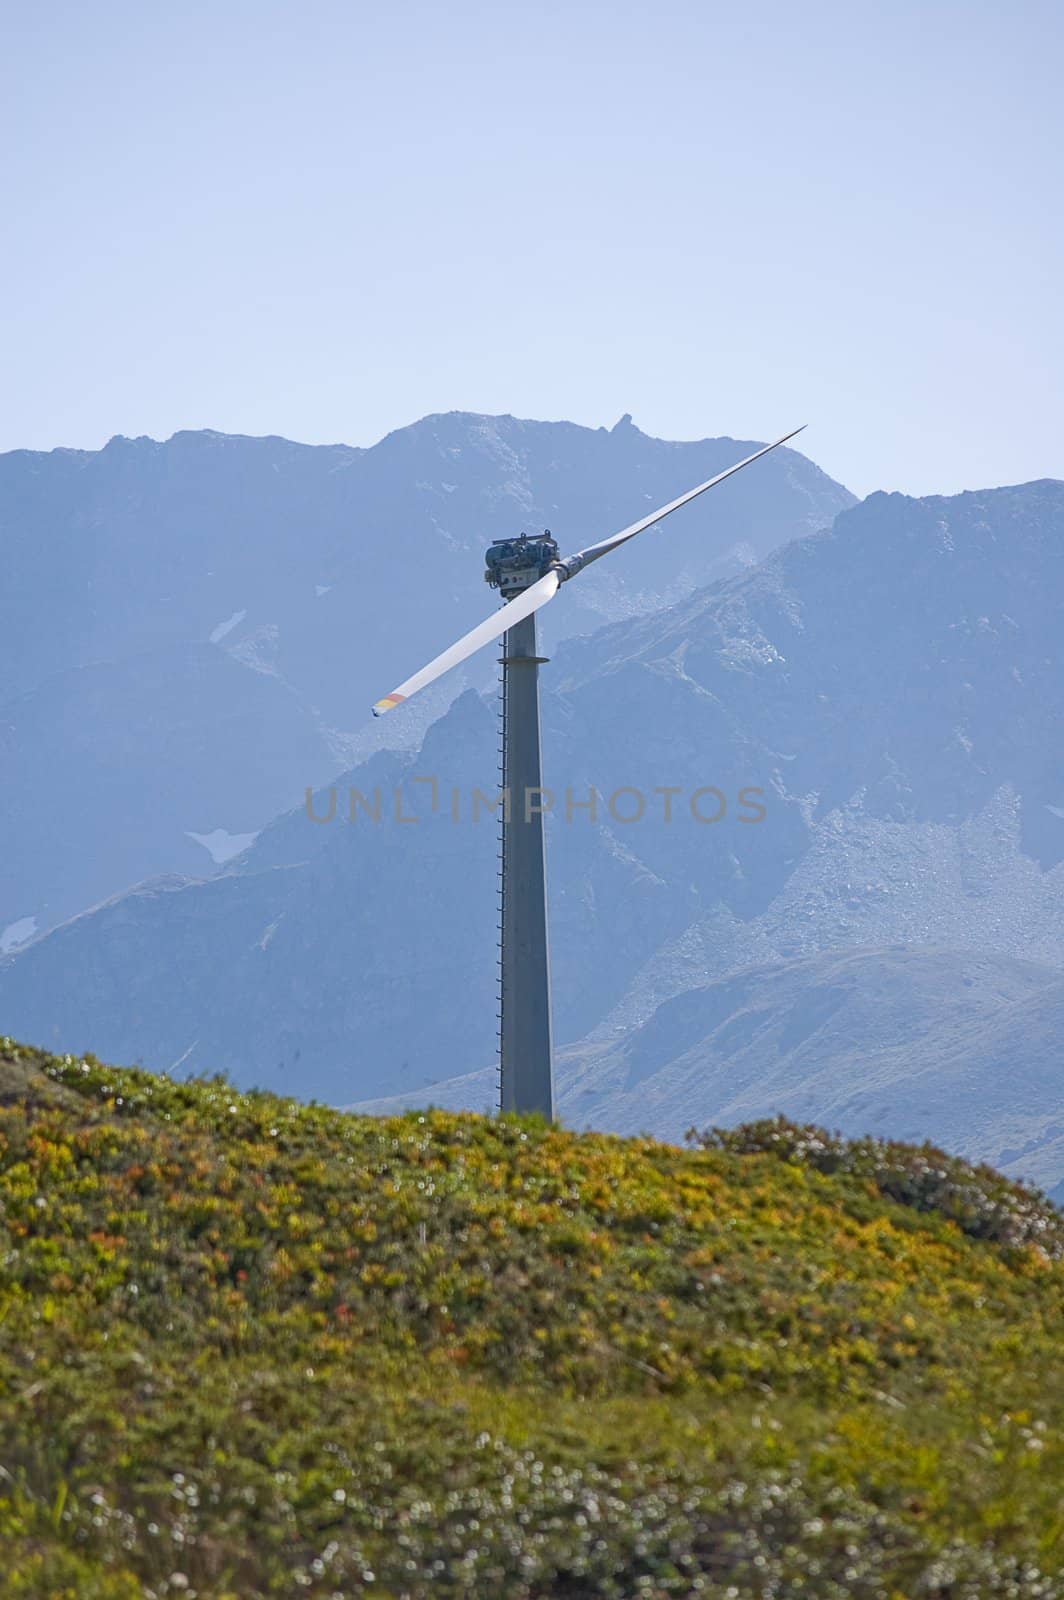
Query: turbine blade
{"x": 604, "y": 546}
{"x": 492, "y": 627}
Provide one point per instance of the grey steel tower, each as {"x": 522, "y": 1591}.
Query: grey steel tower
{"x": 525, "y": 1072}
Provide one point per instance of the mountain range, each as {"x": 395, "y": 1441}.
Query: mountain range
{"x": 885, "y": 693}
{"x": 194, "y": 629}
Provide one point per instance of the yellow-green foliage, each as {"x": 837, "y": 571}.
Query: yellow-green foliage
{"x": 250, "y": 1347}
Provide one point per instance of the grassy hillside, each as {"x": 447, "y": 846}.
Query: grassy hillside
{"x": 250, "y": 1347}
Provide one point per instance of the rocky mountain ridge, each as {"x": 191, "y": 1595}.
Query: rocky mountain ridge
{"x": 892, "y": 687}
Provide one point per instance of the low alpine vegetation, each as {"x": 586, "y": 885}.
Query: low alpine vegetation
{"x": 979, "y": 1200}
{"x": 255, "y": 1348}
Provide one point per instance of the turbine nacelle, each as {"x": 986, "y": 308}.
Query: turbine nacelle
{"x": 513, "y": 565}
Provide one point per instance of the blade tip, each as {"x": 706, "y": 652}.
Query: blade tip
{"x": 389, "y": 702}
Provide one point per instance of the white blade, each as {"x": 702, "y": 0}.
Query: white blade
{"x": 537, "y": 595}
{"x": 604, "y": 546}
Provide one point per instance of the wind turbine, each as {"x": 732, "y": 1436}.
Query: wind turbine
{"x": 528, "y": 572}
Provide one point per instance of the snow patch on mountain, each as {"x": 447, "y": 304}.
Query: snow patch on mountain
{"x": 226, "y": 627}
{"x": 17, "y": 934}
{"x": 221, "y": 845}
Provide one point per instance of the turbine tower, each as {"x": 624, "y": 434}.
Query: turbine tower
{"x": 525, "y": 1078}
{"x": 528, "y": 572}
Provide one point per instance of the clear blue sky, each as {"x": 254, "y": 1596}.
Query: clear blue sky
{"x": 325, "y": 219}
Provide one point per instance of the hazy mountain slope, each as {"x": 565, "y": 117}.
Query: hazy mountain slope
{"x": 115, "y": 765}
{"x": 909, "y": 657}
{"x": 896, "y": 686}
{"x": 447, "y": 1356}
{"x": 276, "y": 970}
{"x": 961, "y": 1048}
{"x": 297, "y": 563}
{"x": 905, "y": 1043}
{"x": 895, "y": 689}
